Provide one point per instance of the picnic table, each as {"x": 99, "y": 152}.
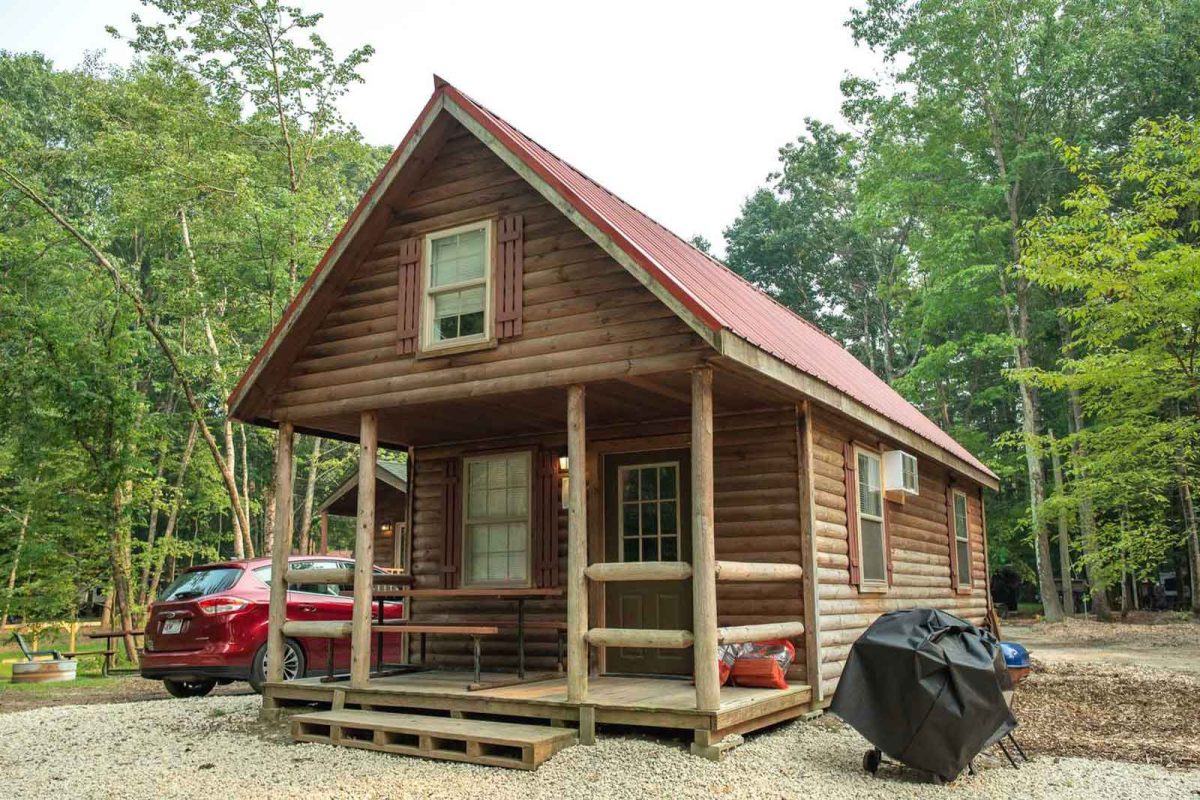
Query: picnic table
{"x": 109, "y": 650}
{"x": 518, "y": 595}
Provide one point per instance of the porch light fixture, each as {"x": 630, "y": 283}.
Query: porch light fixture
{"x": 564, "y": 471}
{"x": 386, "y": 529}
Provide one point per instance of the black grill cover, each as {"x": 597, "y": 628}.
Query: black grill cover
{"x": 926, "y": 688}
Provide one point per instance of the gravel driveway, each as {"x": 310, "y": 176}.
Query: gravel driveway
{"x": 215, "y": 748}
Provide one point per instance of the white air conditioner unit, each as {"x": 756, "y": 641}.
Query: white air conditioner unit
{"x": 900, "y": 478}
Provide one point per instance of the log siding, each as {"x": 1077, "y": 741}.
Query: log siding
{"x": 579, "y": 307}
{"x": 919, "y": 537}
{"x": 757, "y": 518}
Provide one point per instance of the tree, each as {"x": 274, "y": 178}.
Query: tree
{"x": 1126, "y": 249}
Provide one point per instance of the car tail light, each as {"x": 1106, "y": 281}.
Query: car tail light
{"x": 222, "y": 604}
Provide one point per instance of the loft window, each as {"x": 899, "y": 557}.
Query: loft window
{"x": 457, "y": 288}
{"x": 496, "y": 520}
{"x": 962, "y": 540}
{"x": 871, "y": 539}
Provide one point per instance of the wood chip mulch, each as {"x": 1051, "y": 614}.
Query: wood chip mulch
{"x": 1121, "y": 713}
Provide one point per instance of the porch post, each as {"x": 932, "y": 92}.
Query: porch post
{"x": 281, "y": 547}
{"x": 364, "y": 551}
{"x": 704, "y": 579}
{"x": 577, "y": 589}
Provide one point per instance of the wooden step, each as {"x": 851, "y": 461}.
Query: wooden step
{"x": 496, "y": 744}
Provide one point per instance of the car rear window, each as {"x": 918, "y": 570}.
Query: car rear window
{"x": 201, "y": 583}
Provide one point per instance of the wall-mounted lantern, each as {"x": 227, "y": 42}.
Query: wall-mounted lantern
{"x": 386, "y": 528}
{"x": 564, "y": 472}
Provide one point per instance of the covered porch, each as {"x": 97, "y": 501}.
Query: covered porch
{"x": 673, "y": 418}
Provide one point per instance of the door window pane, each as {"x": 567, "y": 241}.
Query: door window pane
{"x": 649, "y": 512}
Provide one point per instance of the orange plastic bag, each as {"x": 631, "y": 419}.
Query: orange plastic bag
{"x": 764, "y": 664}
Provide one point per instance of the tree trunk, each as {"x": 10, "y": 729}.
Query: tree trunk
{"x": 1097, "y": 588}
{"x": 1124, "y": 588}
{"x": 1193, "y": 541}
{"x": 1064, "y": 535}
{"x": 1018, "y": 328}
{"x": 118, "y": 539}
{"x": 11, "y": 588}
{"x": 246, "y": 479}
{"x": 239, "y": 546}
{"x": 176, "y": 502}
{"x": 310, "y": 490}
{"x": 106, "y": 611}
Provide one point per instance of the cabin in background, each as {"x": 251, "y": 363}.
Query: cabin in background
{"x": 391, "y": 512}
{"x": 622, "y": 456}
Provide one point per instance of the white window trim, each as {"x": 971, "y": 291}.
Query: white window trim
{"x": 955, "y": 494}
{"x": 621, "y": 471}
{"x": 485, "y": 339}
{"x": 464, "y": 542}
{"x": 866, "y": 584}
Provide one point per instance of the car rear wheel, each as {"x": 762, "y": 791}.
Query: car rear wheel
{"x": 293, "y": 664}
{"x": 188, "y": 688}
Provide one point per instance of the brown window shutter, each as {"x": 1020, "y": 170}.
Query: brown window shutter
{"x": 451, "y": 523}
{"x": 408, "y": 306}
{"x": 851, "y": 478}
{"x": 950, "y": 534}
{"x": 887, "y": 537}
{"x": 546, "y": 501}
{"x": 970, "y": 566}
{"x": 510, "y": 267}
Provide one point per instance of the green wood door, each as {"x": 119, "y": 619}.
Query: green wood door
{"x": 647, "y": 503}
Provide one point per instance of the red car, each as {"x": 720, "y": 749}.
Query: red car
{"x": 210, "y": 626}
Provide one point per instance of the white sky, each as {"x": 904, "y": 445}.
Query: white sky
{"x": 679, "y": 107}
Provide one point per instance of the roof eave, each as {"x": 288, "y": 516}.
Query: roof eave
{"x": 753, "y": 357}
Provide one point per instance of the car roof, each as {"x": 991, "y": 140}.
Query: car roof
{"x": 255, "y": 563}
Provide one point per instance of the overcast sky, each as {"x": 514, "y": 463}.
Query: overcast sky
{"x": 679, "y": 107}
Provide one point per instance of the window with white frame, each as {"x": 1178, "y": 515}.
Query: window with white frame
{"x": 962, "y": 540}
{"x": 872, "y": 542}
{"x": 457, "y": 286}
{"x": 496, "y": 520}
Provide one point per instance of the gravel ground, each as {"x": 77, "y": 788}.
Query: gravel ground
{"x": 214, "y": 747}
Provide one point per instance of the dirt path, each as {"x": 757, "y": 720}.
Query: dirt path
{"x": 1173, "y": 647}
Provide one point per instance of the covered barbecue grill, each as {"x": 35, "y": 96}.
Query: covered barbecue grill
{"x": 926, "y": 689}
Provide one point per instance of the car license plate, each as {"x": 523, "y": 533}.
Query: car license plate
{"x": 172, "y": 626}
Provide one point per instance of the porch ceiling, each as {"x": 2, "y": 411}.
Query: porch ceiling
{"x": 543, "y": 411}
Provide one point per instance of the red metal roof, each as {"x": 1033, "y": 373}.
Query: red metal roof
{"x": 716, "y": 294}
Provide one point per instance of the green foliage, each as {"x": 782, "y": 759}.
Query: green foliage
{"x": 900, "y": 236}
{"x": 227, "y": 123}
{"x": 1124, "y": 248}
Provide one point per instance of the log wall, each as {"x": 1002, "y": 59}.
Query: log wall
{"x": 580, "y": 307}
{"x": 756, "y": 505}
{"x": 920, "y": 546}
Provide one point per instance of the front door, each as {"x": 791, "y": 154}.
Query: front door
{"x": 647, "y": 502}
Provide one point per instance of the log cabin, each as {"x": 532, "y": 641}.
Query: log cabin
{"x": 391, "y": 512}
{"x": 622, "y": 456}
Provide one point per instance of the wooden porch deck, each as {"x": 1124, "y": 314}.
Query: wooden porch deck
{"x": 644, "y": 701}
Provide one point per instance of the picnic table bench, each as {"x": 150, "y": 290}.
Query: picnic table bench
{"x": 109, "y": 650}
